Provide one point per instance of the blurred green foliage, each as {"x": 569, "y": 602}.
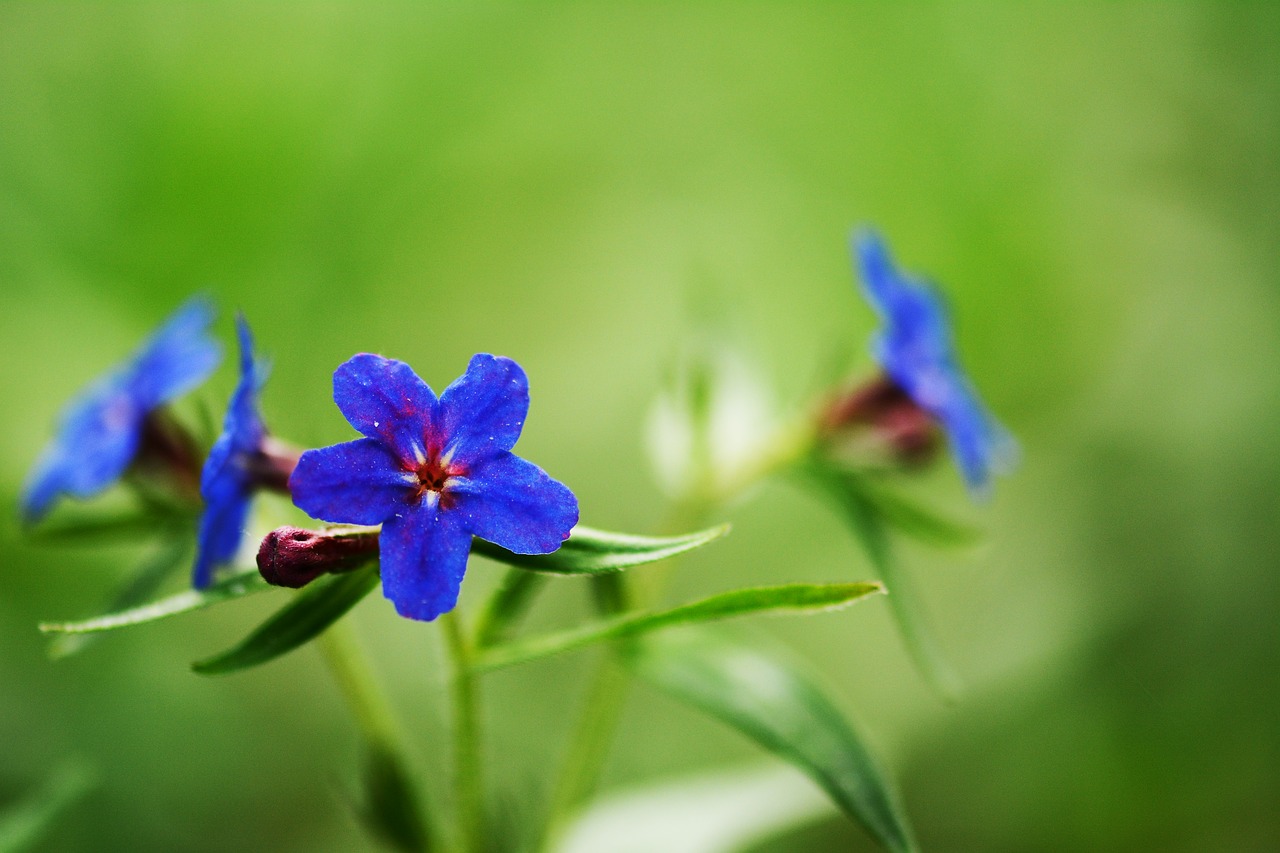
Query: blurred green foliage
{"x": 1095, "y": 187}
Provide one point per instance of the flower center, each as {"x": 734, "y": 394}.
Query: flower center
{"x": 433, "y": 477}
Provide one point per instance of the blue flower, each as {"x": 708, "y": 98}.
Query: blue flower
{"x": 434, "y": 472}
{"x": 101, "y": 430}
{"x": 230, "y": 476}
{"x": 915, "y": 349}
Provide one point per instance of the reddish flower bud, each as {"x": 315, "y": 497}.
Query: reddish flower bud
{"x": 294, "y": 557}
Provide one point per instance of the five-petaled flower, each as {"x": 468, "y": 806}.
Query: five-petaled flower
{"x": 433, "y": 472}
{"x": 915, "y": 349}
{"x": 243, "y": 460}
{"x": 101, "y": 431}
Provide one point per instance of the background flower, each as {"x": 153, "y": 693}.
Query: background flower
{"x": 915, "y": 348}
{"x": 101, "y": 429}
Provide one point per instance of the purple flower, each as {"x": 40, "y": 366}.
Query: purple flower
{"x": 230, "y": 475}
{"x": 434, "y": 472}
{"x": 915, "y": 349}
{"x": 101, "y": 430}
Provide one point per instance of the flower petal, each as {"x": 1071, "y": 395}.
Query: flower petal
{"x": 513, "y": 503}
{"x": 385, "y": 400}
{"x": 981, "y": 445}
{"x": 483, "y": 411}
{"x": 222, "y": 525}
{"x": 97, "y": 438}
{"x": 917, "y": 330}
{"x": 359, "y": 482}
{"x": 424, "y": 556}
{"x": 225, "y": 483}
{"x": 177, "y": 357}
{"x": 916, "y": 350}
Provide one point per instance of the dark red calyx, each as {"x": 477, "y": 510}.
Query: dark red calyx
{"x": 272, "y": 464}
{"x": 166, "y": 447}
{"x": 889, "y": 412}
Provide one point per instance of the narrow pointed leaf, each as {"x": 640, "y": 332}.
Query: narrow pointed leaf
{"x": 311, "y": 611}
{"x": 796, "y": 598}
{"x": 590, "y": 552}
{"x": 502, "y": 612}
{"x": 23, "y": 824}
{"x": 140, "y": 586}
{"x": 98, "y": 530}
{"x": 919, "y": 522}
{"x": 775, "y": 704}
{"x": 868, "y": 525}
{"x": 234, "y": 586}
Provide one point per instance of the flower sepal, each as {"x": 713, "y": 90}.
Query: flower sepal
{"x": 880, "y": 420}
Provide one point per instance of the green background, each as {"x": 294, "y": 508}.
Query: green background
{"x": 1095, "y": 187}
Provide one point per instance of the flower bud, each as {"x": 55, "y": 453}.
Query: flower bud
{"x": 294, "y": 557}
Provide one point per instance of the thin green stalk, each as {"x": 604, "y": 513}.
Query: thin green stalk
{"x": 602, "y": 710}
{"x": 468, "y": 789}
{"x": 350, "y": 669}
{"x": 607, "y": 697}
{"x": 391, "y": 807}
{"x": 589, "y": 747}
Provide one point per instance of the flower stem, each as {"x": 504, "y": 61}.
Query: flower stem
{"x": 589, "y": 747}
{"x": 391, "y": 808}
{"x": 607, "y": 696}
{"x": 350, "y": 669}
{"x": 468, "y": 789}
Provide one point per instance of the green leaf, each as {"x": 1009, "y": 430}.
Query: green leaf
{"x": 101, "y": 529}
{"x": 772, "y": 702}
{"x": 312, "y": 610}
{"x": 726, "y": 811}
{"x": 390, "y": 808}
{"x": 866, "y": 521}
{"x": 800, "y": 598}
{"x": 238, "y": 585}
{"x": 914, "y": 520}
{"x": 141, "y": 585}
{"x": 592, "y": 552}
{"x": 502, "y": 612}
{"x": 25, "y": 823}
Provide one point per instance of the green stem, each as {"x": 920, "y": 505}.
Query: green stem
{"x": 350, "y": 669}
{"x": 468, "y": 790}
{"x": 391, "y": 809}
{"x": 585, "y": 761}
{"x": 602, "y": 709}
{"x": 607, "y": 697}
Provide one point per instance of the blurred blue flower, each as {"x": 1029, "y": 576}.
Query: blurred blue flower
{"x": 101, "y": 430}
{"x": 915, "y": 349}
{"x": 434, "y": 472}
{"x": 230, "y": 478}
